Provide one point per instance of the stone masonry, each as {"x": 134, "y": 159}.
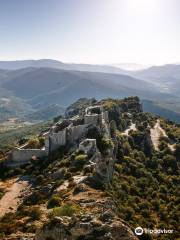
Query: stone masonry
{"x": 68, "y": 131}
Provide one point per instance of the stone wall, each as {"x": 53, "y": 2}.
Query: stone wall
{"x": 47, "y": 144}
{"x": 56, "y": 140}
{"x": 96, "y": 119}
{"x": 22, "y": 156}
{"x": 88, "y": 146}
{"x": 105, "y": 116}
{"x": 70, "y": 134}
{"x": 91, "y": 119}
{"x": 76, "y": 132}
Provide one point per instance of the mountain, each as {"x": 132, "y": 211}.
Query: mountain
{"x": 46, "y": 113}
{"x": 49, "y": 63}
{"x": 120, "y": 171}
{"x": 166, "y": 78}
{"x": 39, "y": 89}
{"x": 169, "y": 70}
{"x": 12, "y": 107}
{"x": 42, "y": 86}
{"x": 130, "y": 66}
{"x": 159, "y": 109}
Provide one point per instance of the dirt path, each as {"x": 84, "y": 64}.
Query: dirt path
{"x": 156, "y": 132}
{"x": 131, "y": 127}
{"x": 11, "y": 199}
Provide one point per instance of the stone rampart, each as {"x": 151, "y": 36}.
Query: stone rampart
{"x": 76, "y": 132}
{"x": 56, "y": 140}
{"x": 24, "y": 155}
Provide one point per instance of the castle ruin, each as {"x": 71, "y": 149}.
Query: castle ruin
{"x": 68, "y": 131}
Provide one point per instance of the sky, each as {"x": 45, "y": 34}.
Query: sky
{"x": 91, "y": 31}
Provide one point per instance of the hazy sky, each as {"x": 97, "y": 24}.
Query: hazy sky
{"x": 91, "y": 31}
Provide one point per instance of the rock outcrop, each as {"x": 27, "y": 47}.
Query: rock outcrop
{"x": 95, "y": 220}
{"x": 86, "y": 227}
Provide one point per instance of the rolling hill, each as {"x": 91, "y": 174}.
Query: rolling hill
{"x": 49, "y": 63}
{"x": 168, "y": 70}
{"x": 41, "y": 88}
{"x": 166, "y": 78}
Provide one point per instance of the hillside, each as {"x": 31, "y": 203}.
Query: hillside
{"x": 43, "y": 81}
{"x": 50, "y": 63}
{"x": 102, "y": 191}
{"x": 44, "y": 87}
{"x": 161, "y": 110}
{"x": 166, "y": 77}
{"x": 13, "y": 107}
{"x": 46, "y": 113}
{"x": 169, "y": 70}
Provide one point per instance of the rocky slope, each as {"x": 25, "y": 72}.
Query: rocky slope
{"x": 95, "y": 221}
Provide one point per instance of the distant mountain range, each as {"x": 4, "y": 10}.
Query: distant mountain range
{"x": 166, "y": 77}
{"x": 130, "y": 66}
{"x": 49, "y": 63}
{"x": 169, "y": 70}
{"x": 49, "y": 86}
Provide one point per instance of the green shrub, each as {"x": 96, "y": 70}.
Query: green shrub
{"x": 65, "y": 210}
{"x": 67, "y": 175}
{"x": 80, "y": 161}
{"x": 105, "y": 144}
{"x": 34, "y": 143}
{"x": 35, "y": 198}
{"x": 54, "y": 201}
{"x": 64, "y": 163}
{"x": 35, "y": 213}
{"x": 41, "y": 141}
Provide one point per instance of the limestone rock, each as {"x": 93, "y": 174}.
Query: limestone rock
{"x": 85, "y": 227}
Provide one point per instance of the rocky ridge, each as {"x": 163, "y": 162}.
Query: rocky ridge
{"x": 76, "y": 193}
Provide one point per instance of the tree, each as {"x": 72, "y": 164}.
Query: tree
{"x": 170, "y": 161}
{"x": 177, "y": 152}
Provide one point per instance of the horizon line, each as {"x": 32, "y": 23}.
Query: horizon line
{"x": 90, "y": 63}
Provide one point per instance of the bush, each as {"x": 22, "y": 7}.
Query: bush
{"x": 35, "y": 213}
{"x": 41, "y": 141}
{"x": 35, "y": 198}
{"x": 129, "y": 213}
{"x": 80, "y": 161}
{"x": 54, "y": 201}
{"x": 64, "y": 163}
{"x": 177, "y": 152}
{"x": 67, "y": 175}
{"x": 34, "y": 143}
{"x": 104, "y": 145}
{"x": 40, "y": 178}
{"x": 65, "y": 210}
